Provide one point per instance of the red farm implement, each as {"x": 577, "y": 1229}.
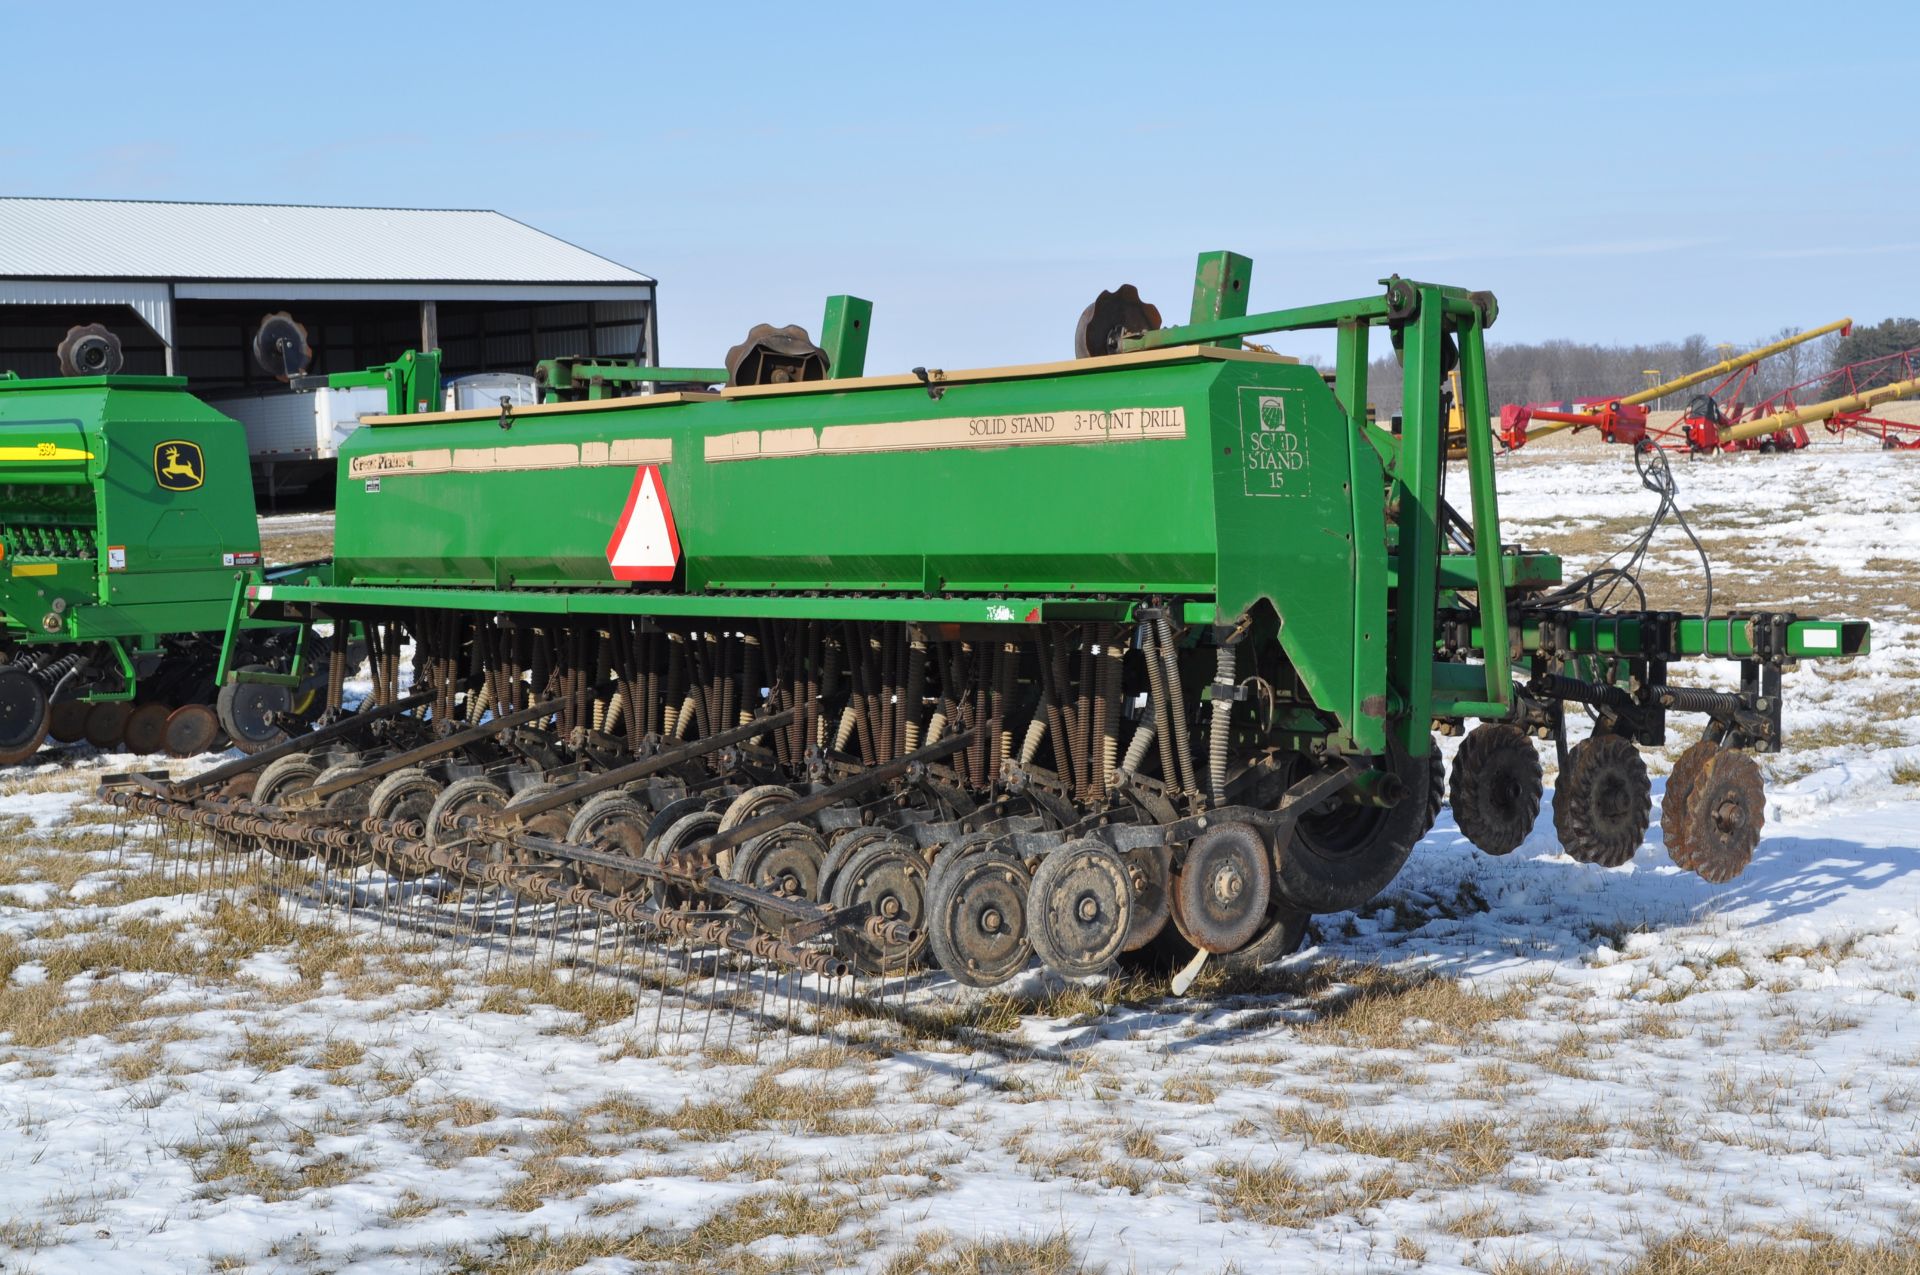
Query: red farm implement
{"x": 1624, "y": 419}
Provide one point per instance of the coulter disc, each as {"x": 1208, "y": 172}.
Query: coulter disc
{"x": 1724, "y": 816}
{"x": 68, "y": 722}
{"x": 1496, "y": 787}
{"x": 24, "y": 716}
{"x": 1679, "y": 796}
{"x": 977, "y": 920}
{"x": 1603, "y": 801}
{"x": 1079, "y": 907}
{"x": 191, "y": 729}
{"x": 146, "y": 730}
{"x": 107, "y": 723}
{"x": 1111, "y": 314}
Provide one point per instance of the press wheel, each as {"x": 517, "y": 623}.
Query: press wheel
{"x": 891, "y": 876}
{"x": 287, "y": 775}
{"x": 687, "y": 831}
{"x": 249, "y": 712}
{"x": 1497, "y": 786}
{"x": 405, "y": 796}
{"x": 24, "y": 716}
{"x": 786, "y": 862}
{"x": 755, "y": 802}
{"x": 475, "y": 797}
{"x": 1221, "y": 888}
{"x": 1079, "y": 908}
{"x": 1603, "y": 802}
{"x": 620, "y": 824}
{"x": 977, "y": 918}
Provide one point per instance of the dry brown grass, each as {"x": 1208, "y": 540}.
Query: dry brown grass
{"x": 1452, "y": 1152}
{"x": 932, "y": 1255}
{"x": 817, "y": 1107}
{"x": 1705, "y": 1253}
{"x": 1277, "y": 1196}
{"x": 708, "y": 1248}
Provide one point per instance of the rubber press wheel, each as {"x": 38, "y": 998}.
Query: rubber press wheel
{"x": 24, "y": 716}
{"x": 1079, "y": 908}
{"x": 248, "y": 712}
{"x": 977, "y": 918}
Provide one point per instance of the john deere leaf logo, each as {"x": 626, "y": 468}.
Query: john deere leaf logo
{"x": 178, "y": 465}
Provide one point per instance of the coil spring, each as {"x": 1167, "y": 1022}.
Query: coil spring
{"x": 1220, "y": 738}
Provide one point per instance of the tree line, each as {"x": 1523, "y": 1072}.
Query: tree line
{"x": 1553, "y": 372}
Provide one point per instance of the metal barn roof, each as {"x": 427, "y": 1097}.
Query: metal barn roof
{"x": 139, "y": 240}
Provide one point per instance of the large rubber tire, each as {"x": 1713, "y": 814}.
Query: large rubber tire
{"x": 1436, "y": 786}
{"x": 1344, "y": 854}
{"x": 1497, "y": 786}
{"x": 24, "y": 716}
{"x": 1603, "y": 802}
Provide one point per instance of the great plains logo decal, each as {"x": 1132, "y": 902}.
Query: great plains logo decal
{"x": 178, "y": 465}
{"x": 1273, "y": 456}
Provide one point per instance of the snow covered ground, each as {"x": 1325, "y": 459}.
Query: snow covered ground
{"x": 1503, "y": 1065}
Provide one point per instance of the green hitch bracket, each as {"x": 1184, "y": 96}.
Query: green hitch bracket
{"x": 843, "y": 336}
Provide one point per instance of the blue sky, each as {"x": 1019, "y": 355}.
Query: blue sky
{"x": 1616, "y": 172}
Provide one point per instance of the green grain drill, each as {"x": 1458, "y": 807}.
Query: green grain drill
{"x": 126, "y": 510}
{"x": 1136, "y": 656}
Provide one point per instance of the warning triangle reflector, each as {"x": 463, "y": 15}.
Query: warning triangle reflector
{"x": 645, "y": 545}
